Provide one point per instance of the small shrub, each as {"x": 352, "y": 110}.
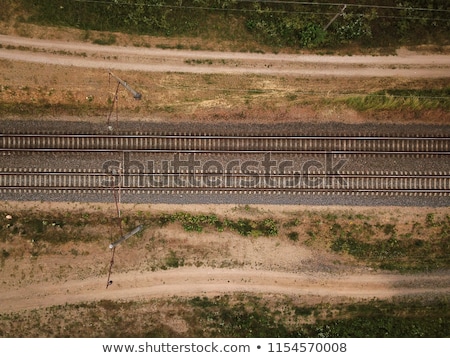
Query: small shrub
{"x": 172, "y": 260}
{"x": 293, "y": 236}
{"x": 5, "y": 254}
{"x": 268, "y": 227}
{"x": 109, "y": 40}
{"x": 429, "y": 220}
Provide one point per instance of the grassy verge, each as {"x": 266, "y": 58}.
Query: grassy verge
{"x": 35, "y": 93}
{"x": 285, "y": 24}
{"x": 396, "y": 99}
{"x": 235, "y": 316}
{"x": 419, "y": 245}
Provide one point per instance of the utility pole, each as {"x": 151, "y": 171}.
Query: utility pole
{"x": 136, "y": 95}
{"x": 340, "y": 13}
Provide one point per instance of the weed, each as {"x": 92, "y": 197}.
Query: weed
{"x": 429, "y": 220}
{"x": 330, "y": 216}
{"x": 293, "y": 236}
{"x": 292, "y": 223}
{"x": 107, "y": 40}
{"x": 389, "y": 229}
{"x": 245, "y": 227}
{"x": 172, "y": 260}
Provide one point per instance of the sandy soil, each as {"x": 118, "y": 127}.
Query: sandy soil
{"x": 212, "y": 282}
{"x": 405, "y": 64}
{"x": 186, "y": 282}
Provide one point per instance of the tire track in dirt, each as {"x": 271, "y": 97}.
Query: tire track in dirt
{"x": 189, "y": 282}
{"x": 406, "y": 64}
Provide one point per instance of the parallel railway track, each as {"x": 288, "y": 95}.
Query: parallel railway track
{"x": 226, "y": 144}
{"x": 290, "y": 182}
{"x": 349, "y": 182}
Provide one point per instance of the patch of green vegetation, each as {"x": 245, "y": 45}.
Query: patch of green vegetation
{"x": 45, "y": 107}
{"x": 241, "y": 319}
{"x": 293, "y": 236}
{"x": 173, "y": 261}
{"x": 421, "y": 245}
{"x": 240, "y": 316}
{"x": 276, "y": 24}
{"x": 190, "y": 222}
{"x": 105, "y": 40}
{"x": 382, "y": 247}
{"x": 47, "y": 228}
{"x": 198, "y": 61}
{"x": 416, "y": 100}
{"x": 245, "y": 227}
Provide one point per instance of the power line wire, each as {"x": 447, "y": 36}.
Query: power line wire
{"x": 286, "y": 2}
{"x": 348, "y": 5}
{"x": 274, "y": 11}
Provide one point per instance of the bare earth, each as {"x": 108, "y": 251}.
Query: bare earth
{"x": 267, "y": 263}
{"x": 189, "y": 282}
{"x": 405, "y": 64}
{"x": 212, "y": 282}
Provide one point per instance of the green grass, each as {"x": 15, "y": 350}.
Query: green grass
{"x": 420, "y": 246}
{"x": 105, "y": 40}
{"x": 381, "y": 246}
{"x": 415, "y": 100}
{"x": 45, "y": 108}
{"x": 240, "y": 316}
{"x": 273, "y": 24}
{"x": 245, "y": 227}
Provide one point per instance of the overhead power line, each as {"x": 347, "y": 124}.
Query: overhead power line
{"x": 277, "y": 11}
{"x": 284, "y": 2}
{"x": 345, "y": 4}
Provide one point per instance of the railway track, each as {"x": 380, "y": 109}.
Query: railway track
{"x": 182, "y": 143}
{"x": 237, "y": 180}
{"x": 295, "y": 182}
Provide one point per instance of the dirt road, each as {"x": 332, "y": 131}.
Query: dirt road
{"x": 190, "y": 281}
{"x": 405, "y": 64}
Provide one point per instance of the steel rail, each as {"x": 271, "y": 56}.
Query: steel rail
{"x": 211, "y": 142}
{"x": 97, "y": 181}
{"x": 256, "y": 151}
{"x": 175, "y": 190}
{"x": 99, "y": 173}
{"x": 215, "y": 136}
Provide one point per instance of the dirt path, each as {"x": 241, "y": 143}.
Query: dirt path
{"x": 209, "y": 282}
{"x": 405, "y": 64}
